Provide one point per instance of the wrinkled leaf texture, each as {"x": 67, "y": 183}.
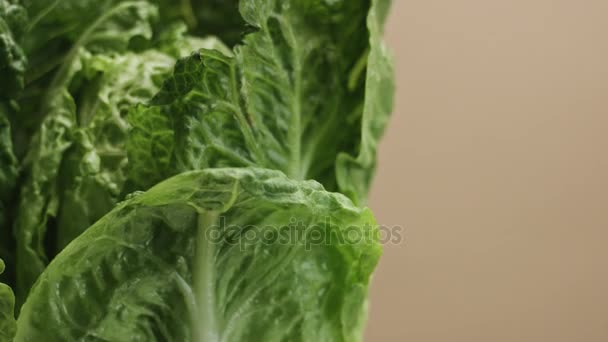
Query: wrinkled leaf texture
{"x": 13, "y": 21}
{"x": 8, "y": 179}
{"x": 309, "y": 94}
{"x": 74, "y": 162}
{"x": 205, "y": 256}
{"x": 74, "y": 171}
{"x": 7, "y": 308}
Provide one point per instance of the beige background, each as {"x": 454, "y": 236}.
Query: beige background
{"x": 496, "y": 164}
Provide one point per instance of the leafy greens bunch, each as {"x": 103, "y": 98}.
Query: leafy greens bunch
{"x": 155, "y": 155}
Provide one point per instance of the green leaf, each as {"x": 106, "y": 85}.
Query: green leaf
{"x": 13, "y": 21}
{"x": 92, "y": 174}
{"x": 307, "y": 93}
{"x": 210, "y": 17}
{"x": 174, "y": 41}
{"x": 8, "y": 178}
{"x": 38, "y": 201}
{"x": 97, "y": 25}
{"x": 355, "y": 172}
{"x": 291, "y": 97}
{"x": 8, "y": 162}
{"x": 75, "y": 169}
{"x": 59, "y": 32}
{"x": 7, "y": 311}
{"x": 214, "y": 255}
{"x": 149, "y": 147}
